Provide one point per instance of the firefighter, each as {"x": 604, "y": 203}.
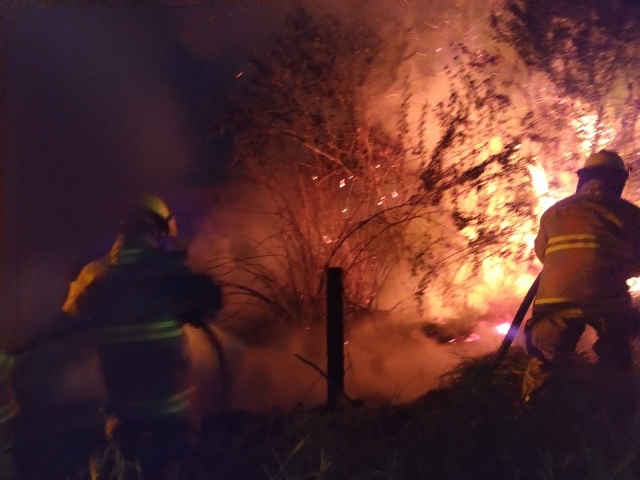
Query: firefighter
{"x": 589, "y": 244}
{"x": 139, "y": 306}
{"x": 8, "y": 411}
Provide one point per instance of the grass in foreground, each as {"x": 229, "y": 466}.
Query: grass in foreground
{"x": 474, "y": 427}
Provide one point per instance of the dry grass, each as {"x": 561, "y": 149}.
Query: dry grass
{"x": 473, "y": 428}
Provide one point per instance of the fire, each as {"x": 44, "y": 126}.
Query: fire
{"x": 502, "y": 329}
{"x": 634, "y": 286}
{"x": 551, "y": 179}
{"x": 586, "y": 127}
{"x": 541, "y": 187}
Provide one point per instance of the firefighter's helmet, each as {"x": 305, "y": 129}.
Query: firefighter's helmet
{"x": 606, "y": 159}
{"x": 160, "y": 211}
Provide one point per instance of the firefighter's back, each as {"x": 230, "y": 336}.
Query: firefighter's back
{"x": 591, "y": 248}
{"x": 137, "y": 307}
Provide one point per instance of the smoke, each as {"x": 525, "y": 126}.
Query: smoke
{"x": 387, "y": 360}
{"x": 389, "y": 356}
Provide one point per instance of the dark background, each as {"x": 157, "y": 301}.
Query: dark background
{"x": 102, "y": 104}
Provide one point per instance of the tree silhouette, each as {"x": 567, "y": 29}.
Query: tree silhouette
{"x": 588, "y": 49}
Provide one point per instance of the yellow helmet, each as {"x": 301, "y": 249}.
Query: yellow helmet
{"x": 606, "y": 159}
{"x": 160, "y": 209}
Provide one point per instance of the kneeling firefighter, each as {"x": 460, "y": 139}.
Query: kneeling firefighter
{"x": 589, "y": 244}
{"x": 139, "y": 304}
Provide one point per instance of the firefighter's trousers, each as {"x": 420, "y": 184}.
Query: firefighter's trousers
{"x": 551, "y": 340}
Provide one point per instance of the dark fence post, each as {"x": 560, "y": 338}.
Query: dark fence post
{"x": 335, "y": 338}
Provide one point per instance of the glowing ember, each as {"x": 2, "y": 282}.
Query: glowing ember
{"x": 502, "y": 329}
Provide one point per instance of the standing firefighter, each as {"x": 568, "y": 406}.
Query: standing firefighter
{"x": 589, "y": 244}
{"x": 139, "y": 306}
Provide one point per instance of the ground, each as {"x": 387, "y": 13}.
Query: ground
{"x": 475, "y": 427}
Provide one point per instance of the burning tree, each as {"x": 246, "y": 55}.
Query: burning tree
{"x": 441, "y": 189}
{"x": 589, "y": 51}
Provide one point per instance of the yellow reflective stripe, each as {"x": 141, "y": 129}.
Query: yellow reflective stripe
{"x": 578, "y": 236}
{"x": 140, "y": 327}
{"x": 543, "y": 301}
{"x": 141, "y": 332}
{"x": 141, "y": 338}
{"x": 173, "y": 404}
{"x": 569, "y": 246}
{"x": 127, "y": 256}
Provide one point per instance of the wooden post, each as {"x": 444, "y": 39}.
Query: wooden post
{"x": 335, "y": 338}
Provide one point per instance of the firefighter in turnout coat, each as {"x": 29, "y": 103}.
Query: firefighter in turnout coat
{"x": 589, "y": 244}
{"x": 139, "y": 306}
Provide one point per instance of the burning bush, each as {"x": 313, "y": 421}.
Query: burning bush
{"x": 427, "y": 207}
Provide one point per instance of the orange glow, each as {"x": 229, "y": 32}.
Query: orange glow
{"x": 506, "y": 275}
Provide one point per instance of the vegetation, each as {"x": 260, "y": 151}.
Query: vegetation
{"x": 475, "y": 427}
{"x": 425, "y": 189}
{"x": 428, "y": 186}
{"x": 588, "y": 49}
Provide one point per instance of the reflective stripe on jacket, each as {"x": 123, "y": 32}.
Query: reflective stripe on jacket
{"x": 143, "y": 332}
{"x": 139, "y": 306}
{"x": 142, "y": 346}
{"x": 589, "y": 245}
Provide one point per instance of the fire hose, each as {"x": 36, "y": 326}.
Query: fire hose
{"x": 225, "y": 383}
{"x": 211, "y": 335}
{"x": 501, "y": 353}
{"x": 49, "y": 337}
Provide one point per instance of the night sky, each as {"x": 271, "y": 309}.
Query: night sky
{"x": 101, "y": 105}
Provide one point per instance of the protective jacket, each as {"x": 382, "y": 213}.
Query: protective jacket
{"x": 139, "y": 306}
{"x": 89, "y": 273}
{"x": 590, "y": 245}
